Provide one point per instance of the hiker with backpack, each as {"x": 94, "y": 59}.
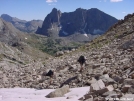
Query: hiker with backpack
{"x": 50, "y": 73}
{"x": 82, "y": 61}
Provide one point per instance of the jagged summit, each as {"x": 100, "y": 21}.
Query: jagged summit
{"x": 81, "y": 21}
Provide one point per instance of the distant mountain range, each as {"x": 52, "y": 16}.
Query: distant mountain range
{"x": 81, "y": 24}
{"x": 23, "y": 25}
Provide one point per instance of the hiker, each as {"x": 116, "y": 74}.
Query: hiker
{"x": 82, "y": 61}
{"x": 50, "y": 73}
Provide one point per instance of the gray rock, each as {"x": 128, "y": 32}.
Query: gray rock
{"x": 86, "y": 97}
{"x": 108, "y": 93}
{"x": 96, "y": 66}
{"x": 115, "y": 86}
{"x": 125, "y": 88}
{"x": 106, "y": 89}
{"x": 131, "y": 89}
{"x": 128, "y": 82}
{"x": 97, "y": 85}
{"x": 59, "y": 92}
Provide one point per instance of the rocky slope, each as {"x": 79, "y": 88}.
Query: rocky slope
{"x": 17, "y": 49}
{"x": 109, "y": 68}
{"x": 22, "y": 25}
{"x": 81, "y": 21}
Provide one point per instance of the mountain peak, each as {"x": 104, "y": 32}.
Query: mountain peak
{"x": 6, "y": 17}
{"x": 54, "y": 10}
{"x": 80, "y": 21}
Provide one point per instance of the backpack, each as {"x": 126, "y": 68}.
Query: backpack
{"x": 50, "y": 73}
{"x": 81, "y": 59}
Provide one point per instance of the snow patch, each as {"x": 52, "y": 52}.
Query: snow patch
{"x": 28, "y": 94}
{"x": 85, "y": 35}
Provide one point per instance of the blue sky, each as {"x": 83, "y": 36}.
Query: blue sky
{"x": 38, "y": 9}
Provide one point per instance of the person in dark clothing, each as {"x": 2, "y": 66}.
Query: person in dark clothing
{"x": 50, "y": 74}
{"x": 81, "y": 60}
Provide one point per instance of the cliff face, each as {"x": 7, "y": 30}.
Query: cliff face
{"x": 49, "y": 22}
{"x": 92, "y": 21}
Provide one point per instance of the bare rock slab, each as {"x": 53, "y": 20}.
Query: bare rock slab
{"x": 97, "y": 85}
{"x": 59, "y": 92}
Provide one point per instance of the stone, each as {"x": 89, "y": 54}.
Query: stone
{"x": 118, "y": 79}
{"x": 73, "y": 67}
{"x": 132, "y": 76}
{"x": 128, "y": 82}
{"x": 96, "y": 66}
{"x": 108, "y": 93}
{"x": 86, "y": 97}
{"x": 97, "y": 85}
{"x": 69, "y": 97}
{"x": 105, "y": 78}
{"x": 106, "y": 89}
{"x": 125, "y": 88}
{"x": 89, "y": 82}
{"x": 59, "y": 92}
{"x": 131, "y": 89}
{"x": 59, "y": 53}
{"x": 73, "y": 84}
{"x": 115, "y": 86}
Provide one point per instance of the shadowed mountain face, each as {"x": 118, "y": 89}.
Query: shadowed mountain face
{"x": 82, "y": 21}
{"x": 18, "y": 43}
{"x": 23, "y": 25}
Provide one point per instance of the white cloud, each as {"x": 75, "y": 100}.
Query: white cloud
{"x": 51, "y": 1}
{"x": 116, "y": 0}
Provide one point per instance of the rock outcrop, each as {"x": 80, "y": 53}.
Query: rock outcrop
{"x": 59, "y": 92}
{"x": 82, "y": 21}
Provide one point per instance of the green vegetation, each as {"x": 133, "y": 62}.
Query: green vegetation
{"x": 50, "y": 45}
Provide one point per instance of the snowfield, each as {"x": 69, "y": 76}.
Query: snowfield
{"x": 28, "y": 94}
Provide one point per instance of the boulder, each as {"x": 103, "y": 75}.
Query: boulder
{"x": 125, "y": 88}
{"x": 128, "y": 82}
{"x": 106, "y": 89}
{"x": 131, "y": 89}
{"x": 105, "y": 78}
{"x": 97, "y": 85}
{"x": 118, "y": 79}
{"x": 89, "y": 82}
{"x": 59, "y": 92}
{"x": 96, "y": 66}
{"x": 86, "y": 97}
{"x": 108, "y": 93}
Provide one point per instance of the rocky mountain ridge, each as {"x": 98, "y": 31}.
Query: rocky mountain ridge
{"x": 23, "y": 25}
{"x": 81, "y": 21}
{"x": 17, "y": 48}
